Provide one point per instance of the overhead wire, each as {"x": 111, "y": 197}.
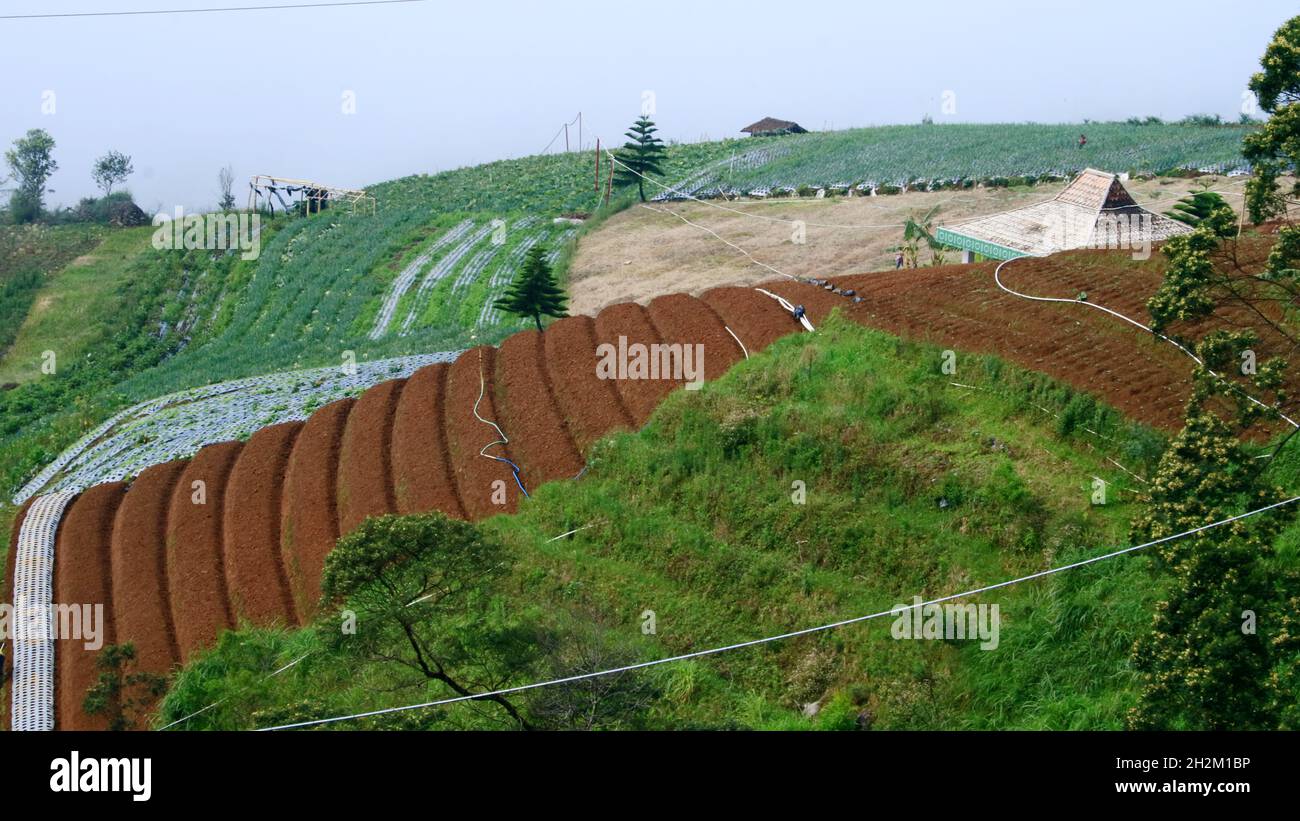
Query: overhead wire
{"x": 894, "y": 611}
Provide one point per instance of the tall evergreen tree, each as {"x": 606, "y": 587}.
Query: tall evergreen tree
{"x": 534, "y": 291}
{"x": 640, "y": 156}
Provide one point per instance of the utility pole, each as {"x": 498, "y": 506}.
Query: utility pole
{"x": 566, "y": 138}
{"x": 609, "y": 180}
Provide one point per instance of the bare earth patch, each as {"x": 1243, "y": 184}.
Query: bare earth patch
{"x": 647, "y": 251}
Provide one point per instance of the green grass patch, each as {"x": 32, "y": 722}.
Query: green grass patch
{"x": 37, "y": 268}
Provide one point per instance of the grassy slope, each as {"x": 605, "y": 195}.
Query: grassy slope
{"x": 30, "y": 257}
{"x": 695, "y": 521}
{"x": 67, "y": 309}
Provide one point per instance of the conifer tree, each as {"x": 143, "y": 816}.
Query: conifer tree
{"x": 640, "y": 156}
{"x": 534, "y": 291}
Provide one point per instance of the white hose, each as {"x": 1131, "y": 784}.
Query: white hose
{"x": 743, "y": 349}
{"x": 786, "y": 304}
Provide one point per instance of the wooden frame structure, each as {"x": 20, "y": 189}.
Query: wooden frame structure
{"x": 313, "y": 196}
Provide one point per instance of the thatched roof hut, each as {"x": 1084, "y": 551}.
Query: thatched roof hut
{"x": 1094, "y": 211}
{"x": 769, "y": 126}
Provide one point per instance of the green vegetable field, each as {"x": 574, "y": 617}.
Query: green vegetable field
{"x": 944, "y": 154}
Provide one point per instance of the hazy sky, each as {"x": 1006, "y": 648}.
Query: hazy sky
{"x": 441, "y": 84}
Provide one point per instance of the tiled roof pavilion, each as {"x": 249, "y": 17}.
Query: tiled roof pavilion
{"x": 1094, "y": 211}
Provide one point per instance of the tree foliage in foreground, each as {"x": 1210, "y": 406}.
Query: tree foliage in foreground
{"x": 426, "y": 594}
{"x": 1223, "y": 650}
{"x": 1274, "y": 149}
{"x": 422, "y": 591}
{"x": 1217, "y": 655}
{"x": 122, "y": 695}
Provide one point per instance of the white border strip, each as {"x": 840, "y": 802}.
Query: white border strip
{"x": 32, "y": 688}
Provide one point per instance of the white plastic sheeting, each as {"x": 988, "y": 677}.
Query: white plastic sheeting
{"x": 32, "y": 689}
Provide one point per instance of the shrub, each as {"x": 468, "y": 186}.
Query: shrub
{"x": 115, "y": 209}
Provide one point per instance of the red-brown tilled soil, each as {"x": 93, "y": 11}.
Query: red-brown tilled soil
{"x": 540, "y": 439}
{"x": 256, "y": 579}
{"x": 415, "y": 447}
{"x": 196, "y": 575}
{"x": 591, "y": 405}
{"x": 176, "y": 573}
{"x": 466, "y": 435}
{"x": 83, "y": 575}
{"x": 961, "y": 308}
{"x": 422, "y": 475}
{"x": 309, "y": 524}
{"x": 365, "y": 475}
{"x": 142, "y": 602}
{"x": 687, "y": 321}
{"x": 749, "y": 315}
{"x": 630, "y": 321}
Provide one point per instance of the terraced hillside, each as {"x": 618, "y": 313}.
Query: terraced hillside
{"x": 180, "y": 572}
{"x": 419, "y": 276}
{"x": 692, "y": 516}
{"x": 962, "y": 307}
{"x": 177, "y": 572}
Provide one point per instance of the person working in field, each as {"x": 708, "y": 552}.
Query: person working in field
{"x": 1083, "y": 140}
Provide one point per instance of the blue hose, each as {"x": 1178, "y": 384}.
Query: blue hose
{"x": 514, "y": 469}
